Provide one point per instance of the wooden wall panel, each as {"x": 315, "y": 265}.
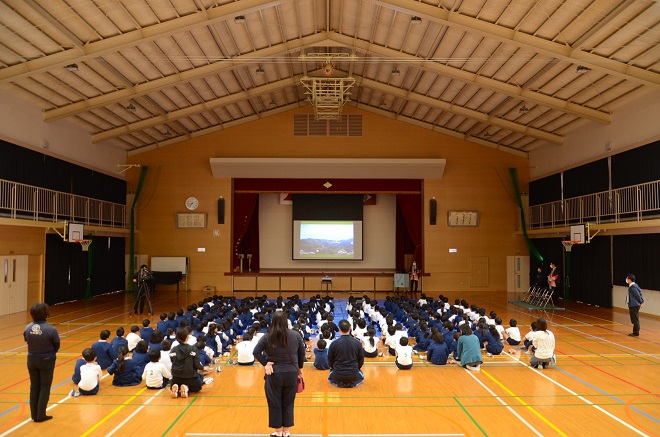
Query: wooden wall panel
{"x": 476, "y": 177}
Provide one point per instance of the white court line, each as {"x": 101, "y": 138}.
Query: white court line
{"x": 508, "y": 407}
{"x": 67, "y": 397}
{"x": 125, "y": 421}
{"x": 582, "y": 398}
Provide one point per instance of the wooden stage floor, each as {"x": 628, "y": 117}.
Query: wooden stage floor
{"x": 605, "y": 384}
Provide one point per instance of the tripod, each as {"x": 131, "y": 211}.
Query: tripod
{"x": 142, "y": 295}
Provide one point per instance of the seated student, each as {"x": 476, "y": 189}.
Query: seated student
{"x": 494, "y": 345}
{"x": 124, "y": 370}
{"x": 104, "y": 353}
{"x": 512, "y": 333}
{"x": 423, "y": 337}
{"x": 467, "y": 349}
{"x": 437, "y": 352}
{"x": 156, "y": 374}
{"x": 163, "y": 324}
{"x": 404, "y": 354}
{"x": 321, "y": 356}
{"x": 528, "y": 344}
{"x": 185, "y": 365}
{"x": 165, "y": 347}
{"x": 133, "y": 338}
{"x": 155, "y": 340}
{"x": 141, "y": 356}
{"x": 146, "y": 331}
{"x": 391, "y": 340}
{"x": 90, "y": 375}
{"x": 498, "y": 326}
{"x": 346, "y": 358}
{"x": 118, "y": 341}
{"x": 544, "y": 343}
{"x": 245, "y": 349}
{"x": 360, "y": 329}
{"x": 331, "y": 325}
{"x": 370, "y": 343}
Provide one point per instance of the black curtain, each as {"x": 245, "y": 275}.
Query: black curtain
{"x": 591, "y": 272}
{"x": 66, "y": 270}
{"x": 636, "y": 166}
{"x": 586, "y": 179}
{"x": 545, "y": 190}
{"x": 107, "y": 264}
{"x": 637, "y": 254}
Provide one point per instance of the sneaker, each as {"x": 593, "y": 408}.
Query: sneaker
{"x": 74, "y": 394}
{"x": 174, "y": 391}
{"x": 553, "y": 360}
{"x": 208, "y": 381}
{"x": 184, "y": 391}
{"x": 544, "y": 365}
{"x": 474, "y": 368}
{"x": 226, "y": 354}
{"x": 381, "y": 354}
{"x": 488, "y": 354}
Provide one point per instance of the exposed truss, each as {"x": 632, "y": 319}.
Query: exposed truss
{"x": 327, "y": 95}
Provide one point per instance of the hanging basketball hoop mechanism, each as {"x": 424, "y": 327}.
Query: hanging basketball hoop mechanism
{"x": 84, "y": 243}
{"x": 568, "y": 244}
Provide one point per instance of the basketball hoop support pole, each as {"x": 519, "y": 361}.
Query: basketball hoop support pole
{"x": 65, "y": 231}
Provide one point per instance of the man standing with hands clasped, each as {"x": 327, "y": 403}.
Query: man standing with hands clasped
{"x": 635, "y": 301}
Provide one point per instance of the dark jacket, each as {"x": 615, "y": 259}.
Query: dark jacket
{"x": 635, "y": 298}
{"x": 126, "y": 378}
{"x": 185, "y": 361}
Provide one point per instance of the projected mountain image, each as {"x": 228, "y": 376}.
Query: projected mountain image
{"x": 314, "y": 247}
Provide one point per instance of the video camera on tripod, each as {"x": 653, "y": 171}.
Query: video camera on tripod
{"x": 145, "y": 275}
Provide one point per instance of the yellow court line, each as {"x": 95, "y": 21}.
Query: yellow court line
{"x": 529, "y": 407}
{"x": 115, "y": 411}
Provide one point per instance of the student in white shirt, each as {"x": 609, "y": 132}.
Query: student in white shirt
{"x": 156, "y": 374}
{"x": 133, "y": 338}
{"x": 166, "y": 346}
{"x": 544, "y": 342}
{"x": 512, "y": 334}
{"x": 90, "y": 375}
{"x": 404, "y": 354}
{"x": 244, "y": 350}
{"x": 391, "y": 340}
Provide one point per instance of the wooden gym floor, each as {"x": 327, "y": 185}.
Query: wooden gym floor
{"x": 605, "y": 384}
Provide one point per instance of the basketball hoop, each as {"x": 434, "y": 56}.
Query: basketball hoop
{"x": 84, "y": 243}
{"x": 568, "y": 244}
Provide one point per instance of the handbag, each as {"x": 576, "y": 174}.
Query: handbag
{"x": 301, "y": 384}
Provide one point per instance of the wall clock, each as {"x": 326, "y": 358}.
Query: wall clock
{"x": 192, "y": 203}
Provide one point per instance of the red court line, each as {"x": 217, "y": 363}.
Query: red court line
{"x": 28, "y": 378}
{"x": 603, "y": 371}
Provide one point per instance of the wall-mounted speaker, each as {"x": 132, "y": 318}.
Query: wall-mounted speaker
{"x": 433, "y": 211}
{"x": 221, "y": 211}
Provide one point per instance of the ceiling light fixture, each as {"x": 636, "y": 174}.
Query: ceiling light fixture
{"x": 395, "y": 71}
{"x": 581, "y": 69}
{"x": 416, "y": 20}
{"x": 240, "y": 19}
{"x": 260, "y": 70}
{"x": 131, "y": 107}
{"x": 523, "y": 109}
{"x": 168, "y": 134}
{"x": 72, "y": 67}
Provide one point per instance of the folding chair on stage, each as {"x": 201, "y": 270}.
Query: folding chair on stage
{"x": 546, "y": 298}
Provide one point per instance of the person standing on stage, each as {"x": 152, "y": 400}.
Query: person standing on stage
{"x": 635, "y": 301}
{"x": 414, "y": 276}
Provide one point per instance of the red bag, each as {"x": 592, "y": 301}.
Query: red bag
{"x": 301, "y": 384}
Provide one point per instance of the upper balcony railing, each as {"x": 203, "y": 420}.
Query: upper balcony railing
{"x": 634, "y": 203}
{"x": 20, "y": 201}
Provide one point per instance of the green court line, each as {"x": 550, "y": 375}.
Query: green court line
{"x": 180, "y": 415}
{"x": 470, "y": 416}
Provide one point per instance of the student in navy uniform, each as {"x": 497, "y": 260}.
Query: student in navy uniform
{"x": 104, "y": 353}
{"x": 141, "y": 356}
{"x": 321, "y": 356}
{"x": 346, "y": 358}
{"x": 145, "y": 332}
{"x": 124, "y": 370}
{"x": 635, "y": 301}
{"x": 163, "y": 324}
{"x": 494, "y": 346}
{"x": 118, "y": 341}
{"x": 155, "y": 340}
{"x": 43, "y": 342}
{"x": 437, "y": 352}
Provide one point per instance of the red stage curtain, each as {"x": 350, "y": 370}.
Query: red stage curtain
{"x": 244, "y": 206}
{"x": 410, "y": 208}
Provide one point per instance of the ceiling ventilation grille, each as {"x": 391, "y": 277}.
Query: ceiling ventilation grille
{"x": 307, "y": 125}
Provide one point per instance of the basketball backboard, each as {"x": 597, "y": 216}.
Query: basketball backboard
{"x": 76, "y": 232}
{"x": 578, "y": 233}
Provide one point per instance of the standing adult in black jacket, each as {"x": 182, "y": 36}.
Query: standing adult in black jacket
{"x": 282, "y": 353}
{"x": 346, "y": 358}
{"x": 43, "y": 342}
{"x": 635, "y": 301}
